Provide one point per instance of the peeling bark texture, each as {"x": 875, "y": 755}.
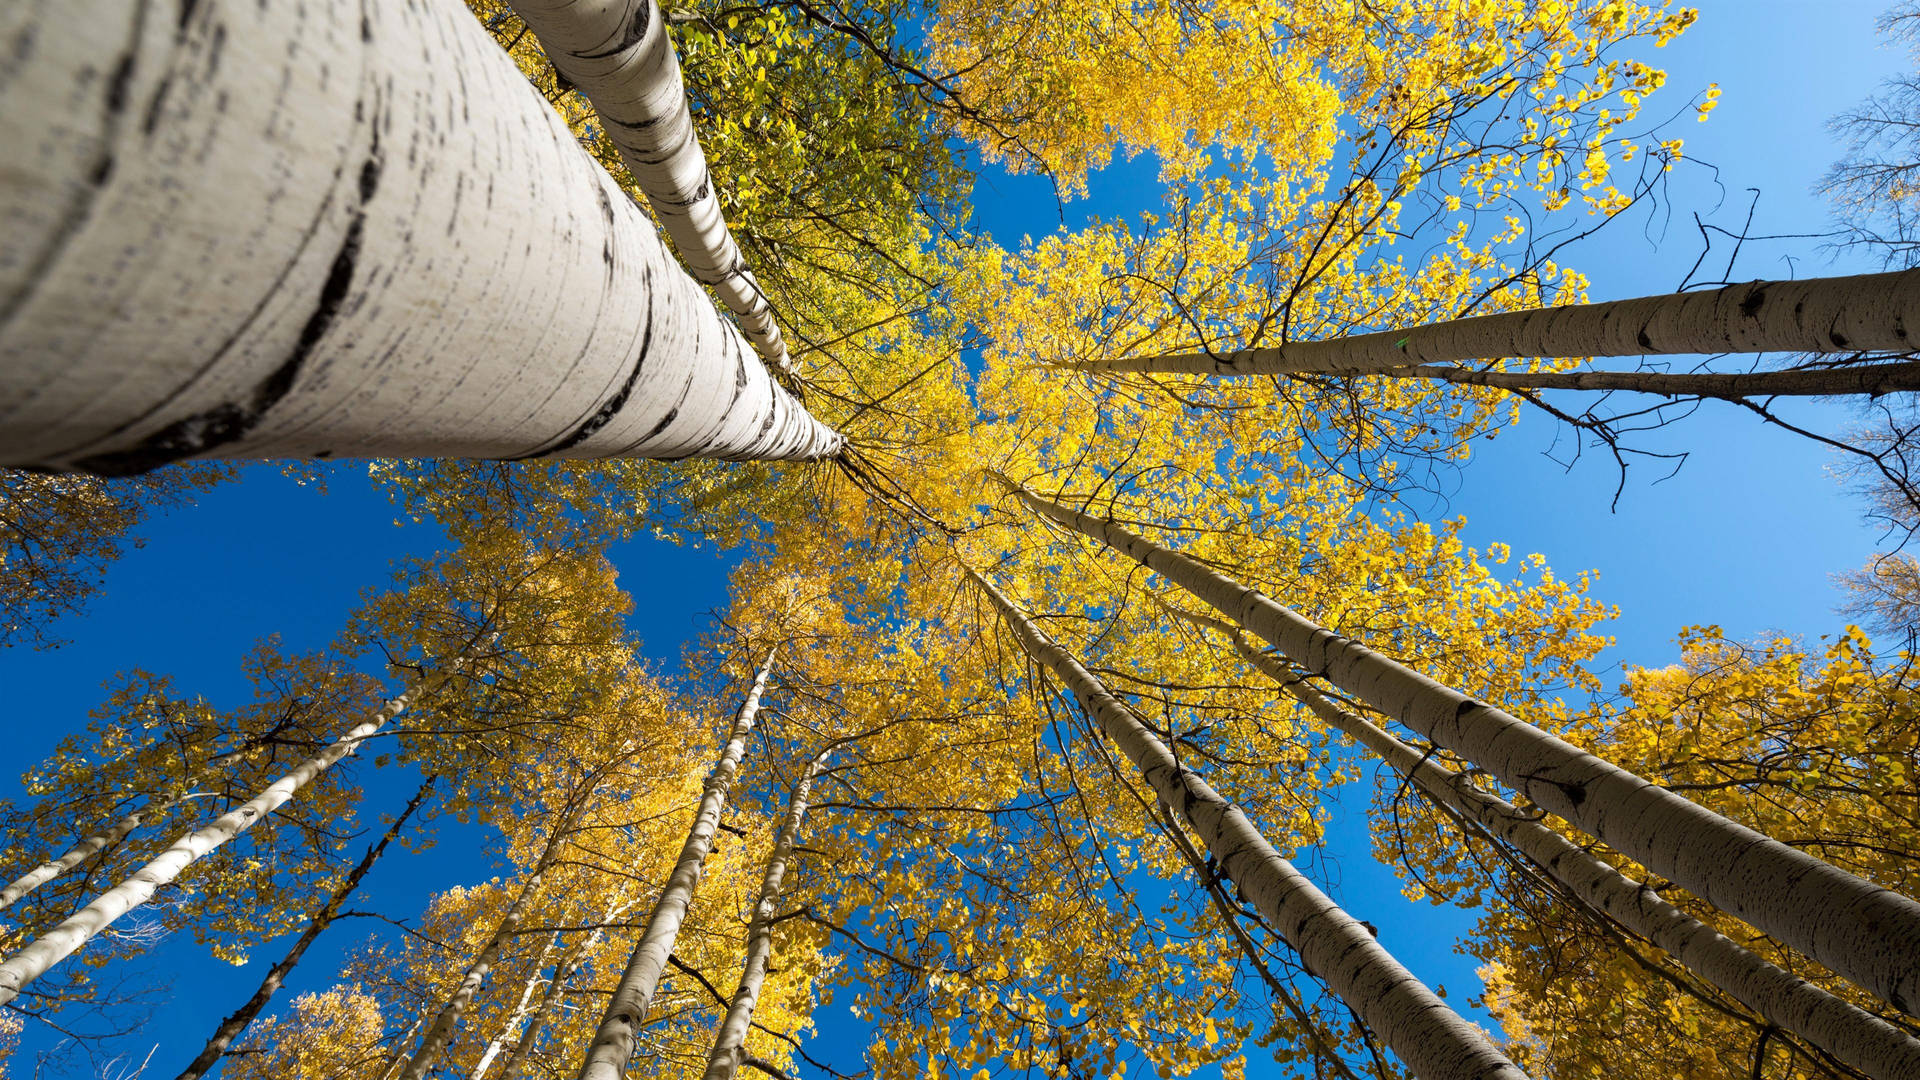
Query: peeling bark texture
{"x": 1433, "y": 1040}
{"x": 1852, "y": 1035}
{"x": 1869, "y": 379}
{"x": 730, "y": 1040}
{"x": 1860, "y": 313}
{"x": 612, "y": 1046}
{"x": 619, "y": 54}
{"x": 334, "y": 229}
{"x": 75, "y": 855}
{"x": 233, "y": 1025}
{"x": 64, "y": 940}
{"x": 1863, "y": 932}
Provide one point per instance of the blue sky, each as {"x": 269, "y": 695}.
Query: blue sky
{"x": 1745, "y": 535}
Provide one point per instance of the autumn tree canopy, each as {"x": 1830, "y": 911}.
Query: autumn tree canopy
{"x": 1075, "y": 583}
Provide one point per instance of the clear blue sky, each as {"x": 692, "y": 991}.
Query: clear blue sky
{"x": 1745, "y": 535}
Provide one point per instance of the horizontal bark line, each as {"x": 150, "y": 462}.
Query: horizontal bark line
{"x": 271, "y": 275}
{"x": 635, "y": 89}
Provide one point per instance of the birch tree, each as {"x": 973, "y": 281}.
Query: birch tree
{"x": 1855, "y": 1037}
{"x": 1434, "y": 1041}
{"x": 237, "y": 1022}
{"x": 730, "y": 1039}
{"x": 208, "y": 269}
{"x": 20, "y": 969}
{"x": 636, "y": 90}
{"x": 1864, "y": 313}
{"x": 1869, "y": 934}
{"x": 633, "y": 995}
{"x": 1792, "y": 738}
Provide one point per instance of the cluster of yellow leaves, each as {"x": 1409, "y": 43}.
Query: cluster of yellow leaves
{"x": 1816, "y": 747}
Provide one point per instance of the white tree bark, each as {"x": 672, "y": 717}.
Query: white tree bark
{"x": 334, "y": 228}
{"x": 77, "y": 854}
{"x": 612, "y": 1045}
{"x": 440, "y": 1032}
{"x": 65, "y": 939}
{"x": 238, "y": 1021}
{"x": 1869, "y": 379}
{"x": 521, "y": 1010}
{"x": 1863, "y": 932}
{"x": 1852, "y": 1035}
{"x": 730, "y": 1040}
{"x": 1433, "y": 1041}
{"x": 619, "y": 54}
{"x": 562, "y": 975}
{"x": 1860, "y": 313}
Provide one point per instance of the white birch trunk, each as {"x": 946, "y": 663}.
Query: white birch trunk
{"x": 334, "y": 228}
{"x": 619, "y": 54}
{"x": 65, "y": 939}
{"x": 77, "y": 854}
{"x": 730, "y": 1040}
{"x": 1852, "y": 1035}
{"x": 230, "y": 1028}
{"x": 613, "y": 1042}
{"x": 1863, "y": 932}
{"x": 440, "y": 1033}
{"x": 1869, "y": 379}
{"x": 520, "y": 1012}
{"x": 1860, "y": 313}
{"x": 562, "y": 975}
{"x": 1433, "y": 1041}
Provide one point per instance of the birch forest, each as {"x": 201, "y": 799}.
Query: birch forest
{"x": 1076, "y": 423}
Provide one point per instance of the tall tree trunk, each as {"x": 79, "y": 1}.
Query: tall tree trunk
{"x": 335, "y": 229}
{"x": 1434, "y": 1042}
{"x": 563, "y": 974}
{"x": 520, "y": 1011}
{"x": 1852, "y": 1035}
{"x": 78, "y": 853}
{"x": 730, "y": 1040}
{"x": 1861, "y": 313}
{"x": 612, "y": 1045}
{"x": 440, "y": 1032}
{"x": 63, "y": 940}
{"x": 232, "y": 1026}
{"x": 1869, "y": 379}
{"x": 635, "y": 87}
{"x": 1865, "y": 933}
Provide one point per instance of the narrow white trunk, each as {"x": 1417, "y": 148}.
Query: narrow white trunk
{"x": 1865, "y": 933}
{"x": 519, "y": 1012}
{"x": 619, "y": 54}
{"x": 1852, "y": 1035}
{"x": 730, "y": 1040}
{"x": 1861, "y": 313}
{"x": 328, "y": 229}
{"x": 62, "y": 941}
{"x": 77, "y": 854}
{"x": 1869, "y": 379}
{"x": 612, "y": 1045}
{"x": 1433, "y": 1041}
{"x": 550, "y": 997}
{"x": 447, "y": 1020}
